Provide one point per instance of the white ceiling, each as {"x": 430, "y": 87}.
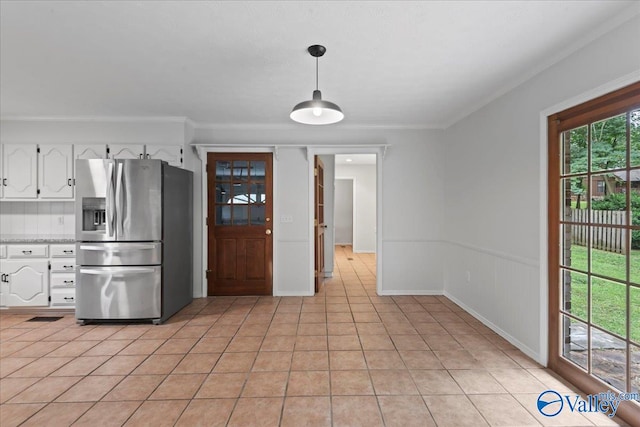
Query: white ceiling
{"x": 388, "y": 63}
{"x": 355, "y": 159}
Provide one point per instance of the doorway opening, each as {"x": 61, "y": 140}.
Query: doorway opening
{"x": 347, "y": 230}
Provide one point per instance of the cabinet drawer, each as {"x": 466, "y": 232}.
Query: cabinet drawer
{"x": 3, "y": 251}
{"x": 58, "y": 251}
{"x": 63, "y": 265}
{"x": 63, "y": 280}
{"x": 27, "y": 251}
{"x": 63, "y": 297}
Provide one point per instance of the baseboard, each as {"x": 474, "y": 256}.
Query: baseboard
{"x": 31, "y": 311}
{"x": 522, "y": 347}
{"x": 397, "y": 292}
{"x": 293, "y": 294}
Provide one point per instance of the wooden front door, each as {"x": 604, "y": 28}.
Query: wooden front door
{"x": 319, "y": 224}
{"x": 240, "y": 206}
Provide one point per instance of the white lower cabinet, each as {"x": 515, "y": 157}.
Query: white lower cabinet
{"x": 25, "y": 282}
{"x": 37, "y": 275}
{"x": 63, "y": 298}
{"x": 3, "y": 291}
{"x": 63, "y": 276}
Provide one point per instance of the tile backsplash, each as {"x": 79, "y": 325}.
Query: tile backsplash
{"x": 37, "y": 218}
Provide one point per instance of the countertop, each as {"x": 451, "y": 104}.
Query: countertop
{"x": 34, "y": 238}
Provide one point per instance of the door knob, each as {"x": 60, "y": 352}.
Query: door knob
{"x": 267, "y": 232}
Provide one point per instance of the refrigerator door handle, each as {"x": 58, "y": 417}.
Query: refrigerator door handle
{"x": 118, "y": 271}
{"x": 116, "y": 249}
{"x": 110, "y": 202}
{"x": 119, "y": 201}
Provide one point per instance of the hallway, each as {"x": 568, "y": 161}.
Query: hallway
{"x": 344, "y": 357}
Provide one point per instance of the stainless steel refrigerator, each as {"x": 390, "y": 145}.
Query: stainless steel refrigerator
{"x": 134, "y": 240}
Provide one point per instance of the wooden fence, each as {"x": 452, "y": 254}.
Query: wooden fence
{"x": 605, "y": 238}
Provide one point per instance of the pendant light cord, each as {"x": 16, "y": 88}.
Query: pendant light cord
{"x": 316, "y": 73}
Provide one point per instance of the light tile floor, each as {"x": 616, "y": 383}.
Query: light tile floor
{"x": 345, "y": 357}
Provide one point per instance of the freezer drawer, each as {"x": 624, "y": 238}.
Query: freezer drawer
{"x": 124, "y": 253}
{"x": 118, "y": 292}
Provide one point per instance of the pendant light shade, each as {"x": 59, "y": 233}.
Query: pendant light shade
{"x": 316, "y": 111}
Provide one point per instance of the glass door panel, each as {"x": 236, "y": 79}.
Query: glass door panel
{"x": 597, "y": 223}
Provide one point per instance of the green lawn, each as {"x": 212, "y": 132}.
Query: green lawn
{"x": 608, "y": 298}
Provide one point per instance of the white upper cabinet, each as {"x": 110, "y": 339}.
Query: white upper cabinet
{"x": 55, "y": 171}
{"x": 20, "y": 171}
{"x": 81, "y": 151}
{"x": 126, "y": 151}
{"x": 171, "y": 154}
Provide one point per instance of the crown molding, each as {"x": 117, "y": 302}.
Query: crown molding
{"x": 292, "y": 126}
{"x": 214, "y": 126}
{"x": 98, "y": 119}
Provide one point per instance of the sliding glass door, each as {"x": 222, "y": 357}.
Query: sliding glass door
{"x": 594, "y": 242}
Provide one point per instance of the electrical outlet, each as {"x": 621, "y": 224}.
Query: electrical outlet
{"x": 60, "y": 220}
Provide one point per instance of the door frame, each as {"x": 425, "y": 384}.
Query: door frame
{"x": 203, "y": 152}
{"x": 379, "y": 151}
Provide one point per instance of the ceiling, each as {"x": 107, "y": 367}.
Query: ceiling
{"x": 355, "y": 159}
{"x": 244, "y": 63}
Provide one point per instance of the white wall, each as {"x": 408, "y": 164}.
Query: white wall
{"x": 364, "y": 224}
{"x": 343, "y": 223}
{"x": 495, "y": 190}
{"x": 410, "y": 239}
{"x": 37, "y": 219}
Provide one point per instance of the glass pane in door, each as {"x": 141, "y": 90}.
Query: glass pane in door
{"x": 609, "y": 358}
{"x": 575, "y": 149}
{"x": 609, "y": 143}
{"x": 575, "y": 344}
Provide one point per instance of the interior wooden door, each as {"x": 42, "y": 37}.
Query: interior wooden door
{"x": 240, "y": 240}
{"x": 319, "y": 223}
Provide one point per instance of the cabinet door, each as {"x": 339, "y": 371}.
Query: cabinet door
{"x": 171, "y": 154}
{"x": 126, "y": 151}
{"x": 1, "y": 181}
{"x": 55, "y": 172}
{"x": 19, "y": 165}
{"x": 26, "y": 283}
{"x": 81, "y": 151}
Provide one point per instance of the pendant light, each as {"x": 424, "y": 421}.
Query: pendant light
{"x": 317, "y": 111}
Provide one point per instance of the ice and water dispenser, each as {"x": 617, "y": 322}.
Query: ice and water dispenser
{"x": 94, "y": 214}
